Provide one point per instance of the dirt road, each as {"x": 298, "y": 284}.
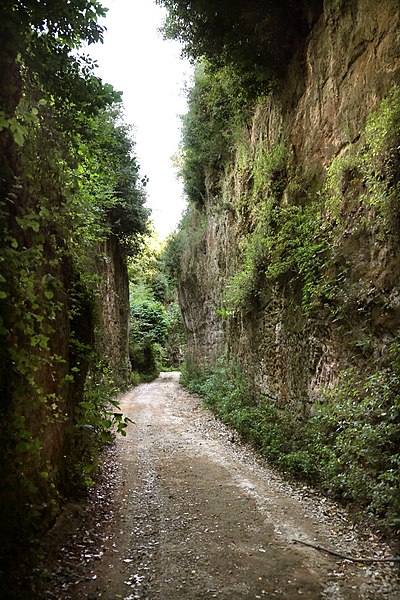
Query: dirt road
{"x": 193, "y": 515}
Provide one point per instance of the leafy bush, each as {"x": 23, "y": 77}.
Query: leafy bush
{"x": 359, "y": 422}
{"x": 349, "y": 447}
{"x": 215, "y": 107}
{"x": 97, "y": 419}
{"x": 149, "y": 328}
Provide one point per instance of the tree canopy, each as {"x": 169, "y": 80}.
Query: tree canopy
{"x": 256, "y": 36}
{"x": 44, "y": 37}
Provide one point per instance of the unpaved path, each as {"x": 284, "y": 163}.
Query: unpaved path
{"x": 193, "y": 515}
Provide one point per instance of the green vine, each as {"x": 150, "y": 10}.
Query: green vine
{"x": 297, "y": 232}
{"x": 71, "y": 190}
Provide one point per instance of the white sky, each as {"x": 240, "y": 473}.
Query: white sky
{"x": 149, "y": 71}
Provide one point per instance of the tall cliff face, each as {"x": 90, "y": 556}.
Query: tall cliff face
{"x": 352, "y": 58}
{"x": 292, "y": 265}
{"x": 113, "y": 299}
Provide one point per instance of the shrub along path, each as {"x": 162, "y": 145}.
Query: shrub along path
{"x": 188, "y": 512}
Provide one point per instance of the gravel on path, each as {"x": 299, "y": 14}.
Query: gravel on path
{"x": 185, "y": 512}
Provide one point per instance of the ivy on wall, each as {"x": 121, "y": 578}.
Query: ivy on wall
{"x": 297, "y": 234}
{"x": 69, "y": 180}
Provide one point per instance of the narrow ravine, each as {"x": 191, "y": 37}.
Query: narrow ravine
{"x": 190, "y": 513}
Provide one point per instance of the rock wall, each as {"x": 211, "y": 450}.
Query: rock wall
{"x": 352, "y": 57}
{"x": 42, "y": 382}
{"x": 113, "y": 298}
{"x": 340, "y": 73}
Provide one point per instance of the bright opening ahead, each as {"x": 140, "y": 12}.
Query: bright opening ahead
{"x": 149, "y": 71}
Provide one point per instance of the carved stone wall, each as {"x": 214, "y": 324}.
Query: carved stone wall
{"x": 345, "y": 67}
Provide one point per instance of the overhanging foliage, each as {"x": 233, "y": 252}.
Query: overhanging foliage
{"x": 256, "y": 37}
